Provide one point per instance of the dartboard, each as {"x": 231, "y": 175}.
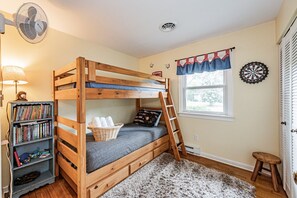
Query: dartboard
{"x": 253, "y": 72}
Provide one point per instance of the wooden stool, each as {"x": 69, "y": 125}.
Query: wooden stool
{"x": 272, "y": 160}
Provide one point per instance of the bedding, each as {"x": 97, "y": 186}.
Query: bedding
{"x": 130, "y": 138}
{"x": 110, "y": 86}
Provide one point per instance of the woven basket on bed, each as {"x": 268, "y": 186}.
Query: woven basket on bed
{"x": 105, "y": 133}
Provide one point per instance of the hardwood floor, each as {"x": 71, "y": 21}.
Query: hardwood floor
{"x": 263, "y": 183}
{"x": 59, "y": 189}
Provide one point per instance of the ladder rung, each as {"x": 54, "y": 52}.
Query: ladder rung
{"x": 169, "y": 106}
{"x": 175, "y": 131}
{"x": 179, "y": 144}
{"x": 174, "y": 118}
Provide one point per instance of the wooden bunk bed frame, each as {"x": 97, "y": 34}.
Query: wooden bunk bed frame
{"x": 71, "y": 163}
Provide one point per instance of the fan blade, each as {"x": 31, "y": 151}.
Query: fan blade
{"x": 28, "y": 30}
{"x": 32, "y": 12}
{"x": 44, "y": 28}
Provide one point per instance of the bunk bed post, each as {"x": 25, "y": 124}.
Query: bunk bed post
{"x": 91, "y": 65}
{"x": 138, "y": 104}
{"x": 167, "y": 84}
{"x": 81, "y": 132}
{"x": 55, "y": 119}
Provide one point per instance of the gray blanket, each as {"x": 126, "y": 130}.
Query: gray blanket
{"x": 130, "y": 138}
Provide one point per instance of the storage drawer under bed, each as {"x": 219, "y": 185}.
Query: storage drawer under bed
{"x": 137, "y": 164}
{"x": 102, "y": 186}
{"x": 161, "y": 149}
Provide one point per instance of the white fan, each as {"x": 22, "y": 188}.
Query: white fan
{"x": 31, "y": 22}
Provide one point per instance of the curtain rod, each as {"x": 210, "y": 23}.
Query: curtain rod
{"x": 231, "y": 48}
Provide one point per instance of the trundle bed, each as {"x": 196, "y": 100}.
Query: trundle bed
{"x": 88, "y": 172}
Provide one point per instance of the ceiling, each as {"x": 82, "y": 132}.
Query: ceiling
{"x": 132, "y": 26}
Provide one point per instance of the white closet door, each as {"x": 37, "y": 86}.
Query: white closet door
{"x": 286, "y": 78}
{"x": 281, "y": 104}
{"x": 288, "y": 53}
{"x": 294, "y": 105}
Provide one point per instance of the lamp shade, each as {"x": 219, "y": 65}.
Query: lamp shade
{"x": 13, "y": 74}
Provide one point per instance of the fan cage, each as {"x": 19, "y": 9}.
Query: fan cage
{"x": 22, "y": 15}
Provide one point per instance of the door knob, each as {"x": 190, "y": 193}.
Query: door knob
{"x": 284, "y": 123}
{"x": 294, "y": 130}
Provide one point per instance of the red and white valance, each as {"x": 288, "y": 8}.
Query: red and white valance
{"x": 219, "y": 60}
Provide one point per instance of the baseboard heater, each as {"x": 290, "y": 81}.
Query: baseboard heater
{"x": 192, "y": 150}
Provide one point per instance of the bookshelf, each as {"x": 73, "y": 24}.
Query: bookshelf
{"x": 31, "y": 144}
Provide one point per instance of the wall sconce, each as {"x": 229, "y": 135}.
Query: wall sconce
{"x": 151, "y": 65}
{"x": 167, "y": 66}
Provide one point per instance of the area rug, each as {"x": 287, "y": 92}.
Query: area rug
{"x": 166, "y": 177}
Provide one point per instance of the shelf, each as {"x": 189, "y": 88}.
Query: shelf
{"x": 23, "y": 128}
{"x": 43, "y": 179}
{"x": 33, "y": 141}
{"x": 33, "y": 161}
{"x": 36, "y": 120}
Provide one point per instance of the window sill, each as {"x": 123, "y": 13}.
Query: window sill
{"x": 206, "y": 116}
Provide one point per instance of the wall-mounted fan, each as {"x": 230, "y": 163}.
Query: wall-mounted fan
{"x": 31, "y": 22}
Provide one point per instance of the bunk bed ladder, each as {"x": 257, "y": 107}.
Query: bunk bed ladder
{"x": 172, "y": 125}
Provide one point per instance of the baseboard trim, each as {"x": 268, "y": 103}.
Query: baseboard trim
{"x": 5, "y": 189}
{"x": 227, "y": 161}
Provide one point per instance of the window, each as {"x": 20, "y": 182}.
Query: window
{"x": 207, "y": 94}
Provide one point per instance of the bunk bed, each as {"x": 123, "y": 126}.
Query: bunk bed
{"x": 79, "y": 81}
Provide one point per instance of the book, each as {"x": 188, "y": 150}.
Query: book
{"x": 17, "y": 159}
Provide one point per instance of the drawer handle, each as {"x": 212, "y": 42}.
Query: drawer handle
{"x": 95, "y": 187}
{"x": 141, "y": 163}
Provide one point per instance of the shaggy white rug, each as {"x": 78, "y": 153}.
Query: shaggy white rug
{"x": 166, "y": 177}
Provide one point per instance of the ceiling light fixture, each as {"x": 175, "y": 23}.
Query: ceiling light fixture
{"x": 167, "y": 27}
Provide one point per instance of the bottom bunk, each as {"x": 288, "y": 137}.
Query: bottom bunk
{"x": 109, "y": 162}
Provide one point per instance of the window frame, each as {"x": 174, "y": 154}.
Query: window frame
{"x": 227, "y": 86}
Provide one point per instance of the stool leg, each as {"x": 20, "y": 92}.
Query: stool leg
{"x": 279, "y": 179}
{"x": 261, "y": 167}
{"x": 274, "y": 177}
{"x": 258, "y": 166}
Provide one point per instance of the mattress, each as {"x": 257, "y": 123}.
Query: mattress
{"x": 130, "y": 138}
{"x": 110, "y": 86}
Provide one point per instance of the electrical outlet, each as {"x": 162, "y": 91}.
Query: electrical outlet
{"x": 196, "y": 138}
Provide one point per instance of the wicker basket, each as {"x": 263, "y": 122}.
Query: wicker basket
{"x": 105, "y": 133}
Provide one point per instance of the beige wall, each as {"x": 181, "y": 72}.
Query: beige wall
{"x": 285, "y": 17}
{"x": 255, "y": 126}
{"x": 55, "y": 51}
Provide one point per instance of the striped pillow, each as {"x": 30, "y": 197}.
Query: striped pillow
{"x": 148, "y": 118}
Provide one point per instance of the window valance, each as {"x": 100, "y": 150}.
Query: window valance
{"x": 219, "y": 60}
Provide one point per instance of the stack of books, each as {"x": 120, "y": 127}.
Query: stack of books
{"x": 25, "y": 132}
{"x": 32, "y": 112}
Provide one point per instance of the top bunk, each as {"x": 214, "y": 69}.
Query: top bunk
{"x": 92, "y": 80}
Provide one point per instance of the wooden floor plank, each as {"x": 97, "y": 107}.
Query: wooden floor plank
{"x": 69, "y": 189}
{"x": 51, "y": 191}
{"x": 263, "y": 183}
{"x": 32, "y": 194}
